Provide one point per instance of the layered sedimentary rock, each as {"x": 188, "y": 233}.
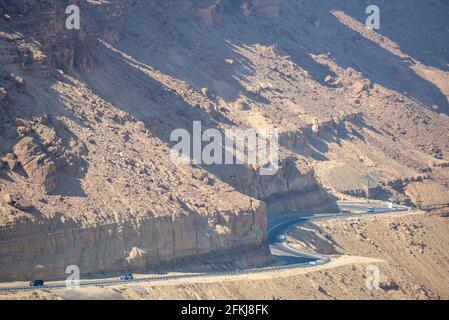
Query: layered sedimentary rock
{"x": 61, "y": 152}
{"x": 45, "y": 250}
{"x": 293, "y": 187}
{"x": 86, "y": 118}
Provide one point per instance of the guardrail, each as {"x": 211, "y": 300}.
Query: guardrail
{"x": 167, "y": 277}
{"x": 319, "y": 260}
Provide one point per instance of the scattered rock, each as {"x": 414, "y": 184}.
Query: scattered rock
{"x": 205, "y": 92}
{"x": 315, "y": 128}
{"x": 241, "y": 104}
{"x": 11, "y": 198}
{"x": 140, "y": 126}
{"x": 6, "y": 209}
{"x": 12, "y": 161}
{"x": 338, "y": 83}
{"x": 21, "y": 122}
{"x": 359, "y": 87}
{"x": 328, "y": 79}
{"x": 17, "y": 81}
{"x": 16, "y": 200}
{"x": 142, "y": 170}
{"x": 389, "y": 285}
{"x": 23, "y": 204}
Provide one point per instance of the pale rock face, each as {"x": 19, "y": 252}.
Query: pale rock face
{"x": 135, "y": 245}
{"x": 137, "y": 258}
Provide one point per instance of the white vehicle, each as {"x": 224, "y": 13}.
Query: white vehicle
{"x": 391, "y": 206}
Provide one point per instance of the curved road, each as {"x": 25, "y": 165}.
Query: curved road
{"x": 284, "y": 257}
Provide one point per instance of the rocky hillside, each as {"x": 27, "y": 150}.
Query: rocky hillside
{"x": 86, "y": 117}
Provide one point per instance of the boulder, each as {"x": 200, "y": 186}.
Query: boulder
{"x": 389, "y": 285}
{"x": 11, "y": 197}
{"x": 329, "y": 79}
{"x": 16, "y": 200}
{"x": 12, "y": 161}
{"x": 137, "y": 259}
{"x": 358, "y": 87}
{"x": 205, "y": 91}
{"x": 23, "y": 204}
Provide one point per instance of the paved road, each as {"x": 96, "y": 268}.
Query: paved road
{"x": 284, "y": 257}
{"x": 279, "y": 226}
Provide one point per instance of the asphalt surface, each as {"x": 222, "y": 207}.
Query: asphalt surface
{"x": 284, "y": 257}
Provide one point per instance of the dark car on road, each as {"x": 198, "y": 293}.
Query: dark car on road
{"x": 37, "y": 283}
{"x": 127, "y": 277}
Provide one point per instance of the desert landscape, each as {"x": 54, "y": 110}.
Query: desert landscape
{"x": 413, "y": 263}
{"x": 87, "y": 117}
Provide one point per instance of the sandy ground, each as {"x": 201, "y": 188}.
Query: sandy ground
{"x": 408, "y": 250}
{"x": 414, "y": 245}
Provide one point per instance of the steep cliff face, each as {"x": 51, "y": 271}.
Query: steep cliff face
{"x": 86, "y": 117}
{"x": 293, "y": 187}
{"x": 76, "y": 187}
{"x": 55, "y": 46}
{"x": 44, "y": 250}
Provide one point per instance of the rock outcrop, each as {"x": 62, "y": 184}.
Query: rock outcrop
{"x": 86, "y": 118}
{"x": 429, "y": 196}
{"x": 40, "y": 168}
{"x": 293, "y": 187}
{"x": 135, "y": 245}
